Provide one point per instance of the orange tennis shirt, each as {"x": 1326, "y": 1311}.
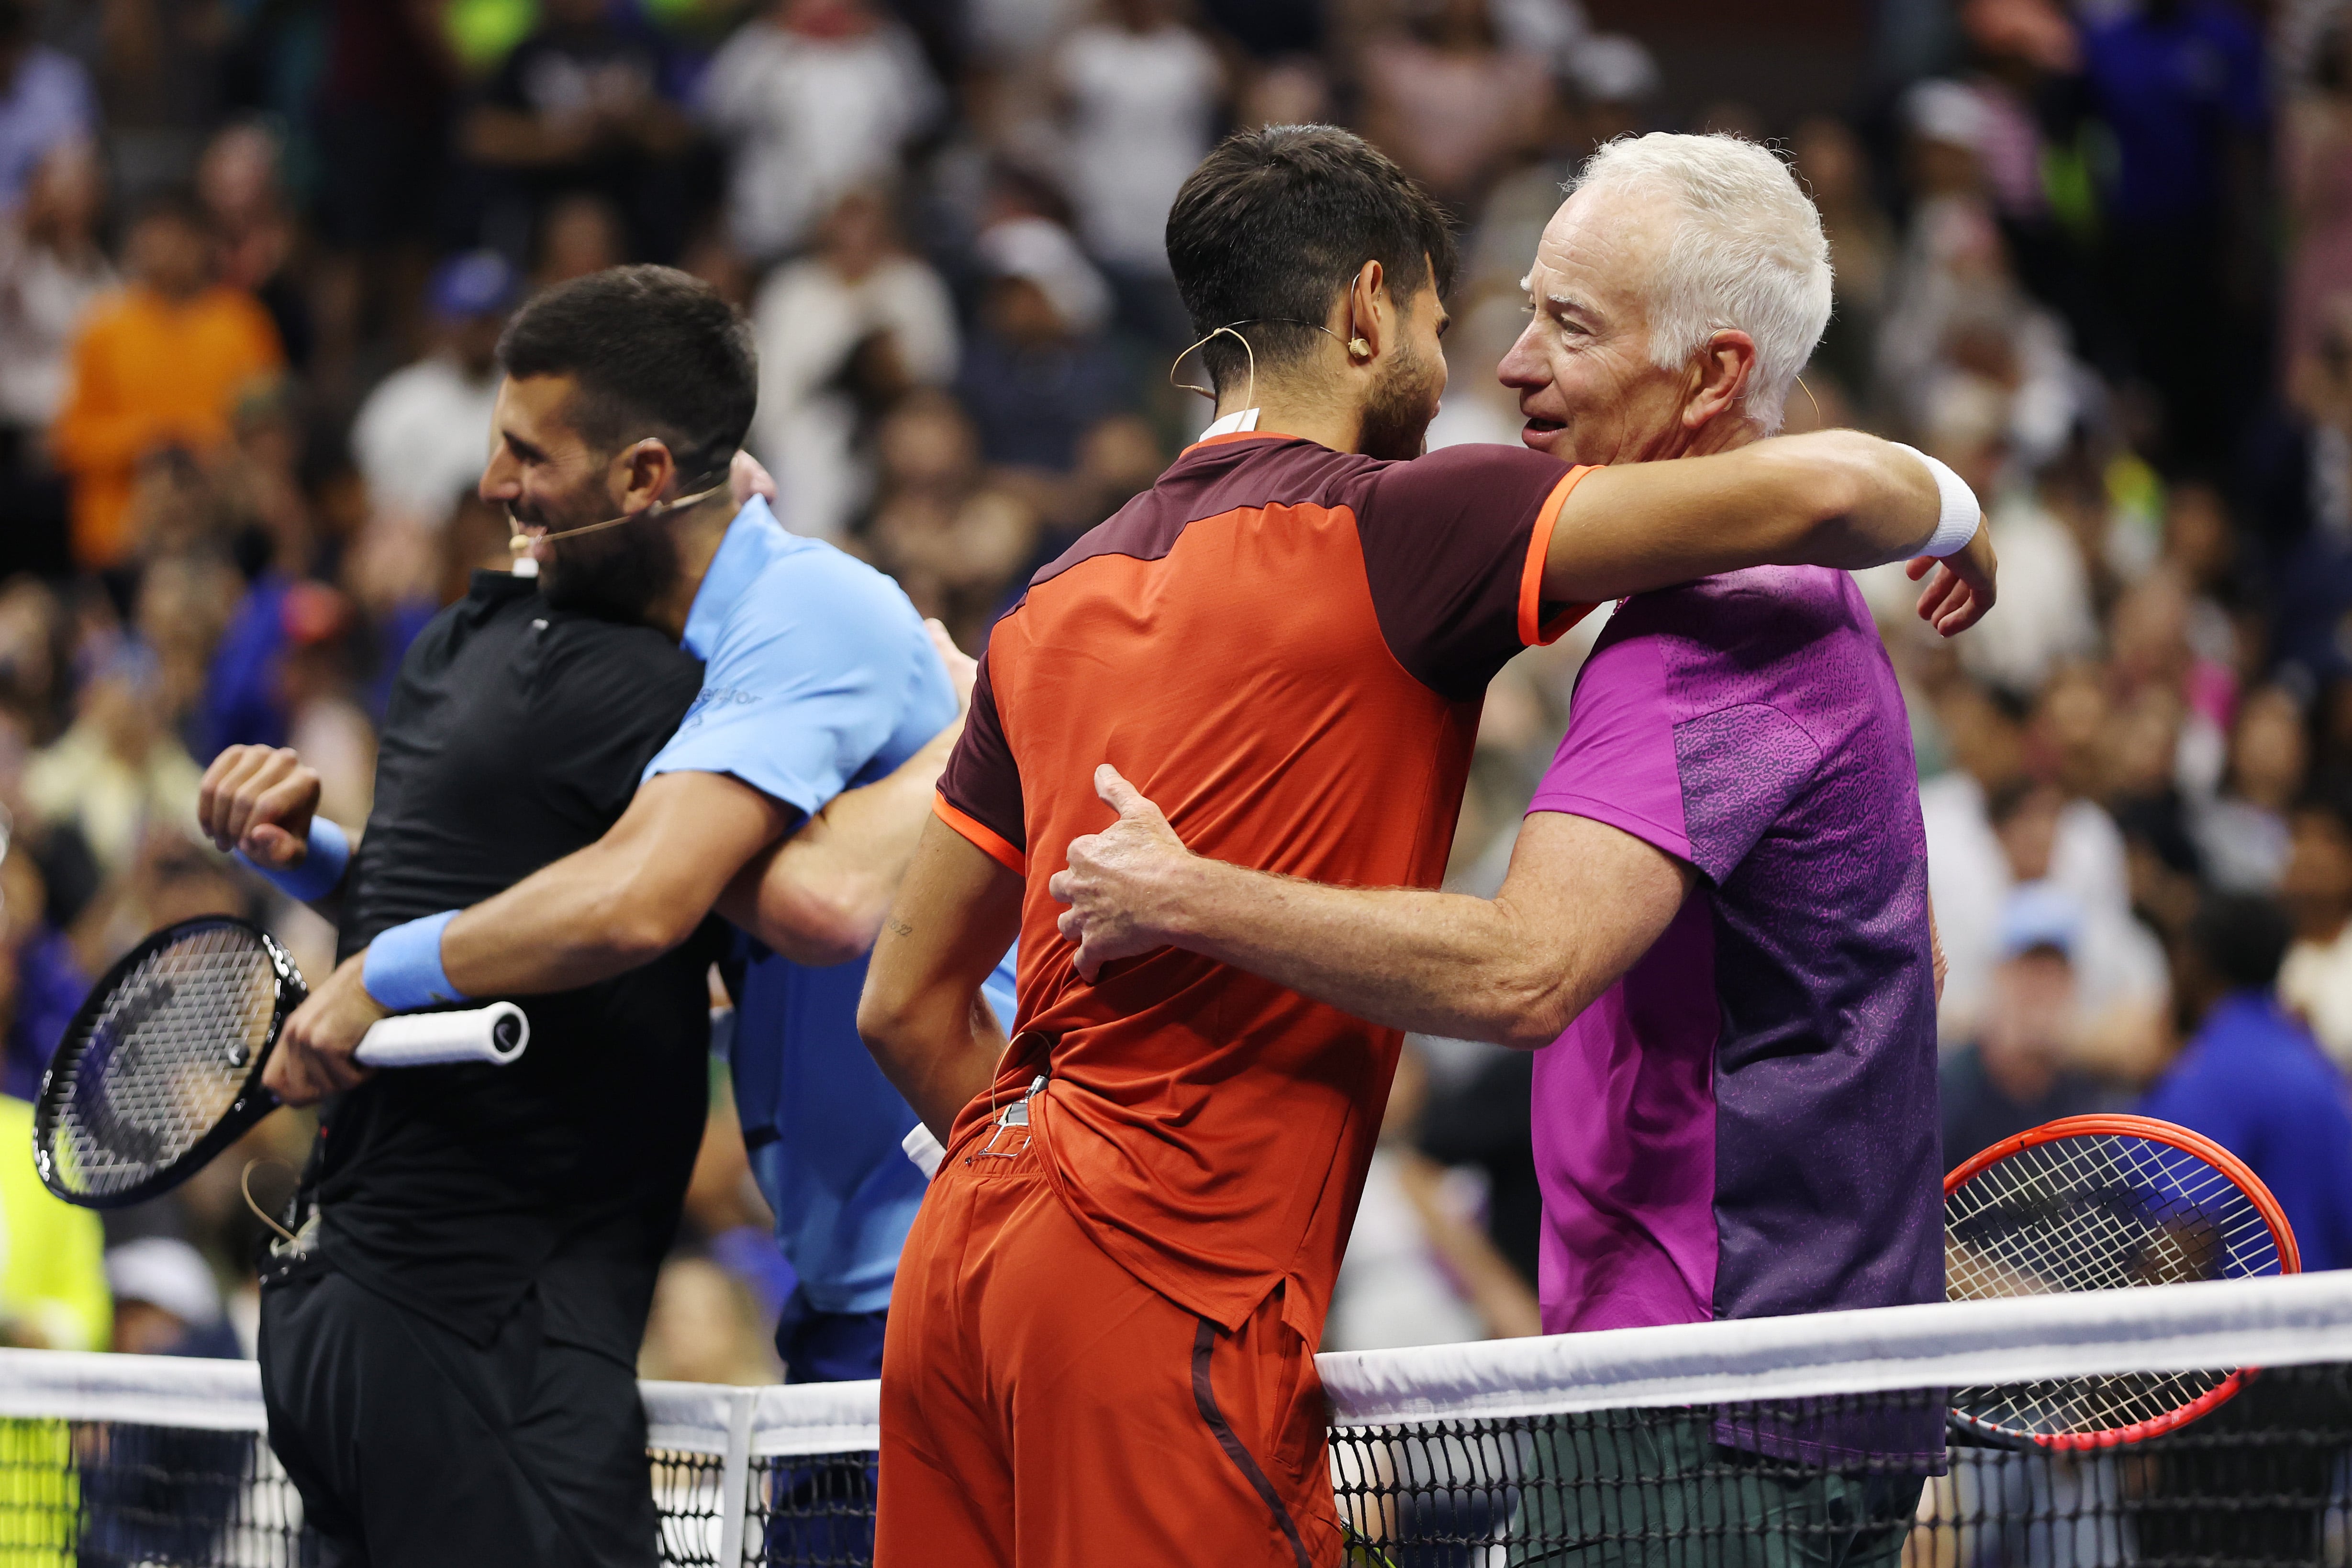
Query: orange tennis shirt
{"x": 1285, "y": 647}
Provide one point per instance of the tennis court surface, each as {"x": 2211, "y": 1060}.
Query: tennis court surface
{"x": 1588, "y": 1448}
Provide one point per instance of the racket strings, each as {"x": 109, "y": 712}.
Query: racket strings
{"x": 2086, "y": 1406}
{"x": 2097, "y": 1212}
{"x": 163, "y": 1060}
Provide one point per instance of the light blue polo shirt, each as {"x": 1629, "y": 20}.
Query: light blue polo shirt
{"x": 817, "y": 678}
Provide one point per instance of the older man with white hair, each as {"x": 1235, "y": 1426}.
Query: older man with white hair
{"x": 1715, "y": 930}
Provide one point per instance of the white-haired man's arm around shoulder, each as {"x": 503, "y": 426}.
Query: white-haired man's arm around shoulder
{"x": 1581, "y": 904}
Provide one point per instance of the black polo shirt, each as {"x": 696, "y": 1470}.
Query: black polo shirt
{"x": 516, "y": 734}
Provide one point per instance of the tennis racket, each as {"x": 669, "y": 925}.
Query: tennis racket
{"x": 161, "y": 1067}
{"x": 2104, "y": 1203}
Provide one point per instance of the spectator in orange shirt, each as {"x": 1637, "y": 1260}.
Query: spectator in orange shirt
{"x": 158, "y": 365}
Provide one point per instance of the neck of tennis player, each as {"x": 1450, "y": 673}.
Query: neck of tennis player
{"x": 1327, "y": 408}
{"x": 696, "y": 535}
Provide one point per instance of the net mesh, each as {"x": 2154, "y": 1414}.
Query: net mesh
{"x": 690, "y": 1492}
{"x": 140, "y": 1080}
{"x": 101, "y": 1494}
{"x": 1587, "y": 1450}
{"x": 812, "y": 1512}
{"x": 2098, "y": 1211}
{"x": 2262, "y": 1480}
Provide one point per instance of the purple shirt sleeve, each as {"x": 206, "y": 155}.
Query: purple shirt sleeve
{"x": 1617, "y": 764}
{"x": 1740, "y": 766}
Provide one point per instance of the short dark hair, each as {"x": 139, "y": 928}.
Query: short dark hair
{"x": 654, "y": 352}
{"x": 2241, "y": 938}
{"x": 1276, "y": 223}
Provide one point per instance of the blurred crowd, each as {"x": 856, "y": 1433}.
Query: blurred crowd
{"x": 255, "y": 255}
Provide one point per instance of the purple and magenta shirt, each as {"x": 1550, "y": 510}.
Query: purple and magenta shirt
{"x": 1746, "y": 1125}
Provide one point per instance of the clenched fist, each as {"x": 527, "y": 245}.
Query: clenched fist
{"x": 260, "y": 799}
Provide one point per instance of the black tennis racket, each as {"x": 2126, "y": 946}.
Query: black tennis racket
{"x": 160, "y": 1069}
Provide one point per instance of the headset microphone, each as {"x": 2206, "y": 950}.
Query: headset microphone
{"x": 520, "y": 542}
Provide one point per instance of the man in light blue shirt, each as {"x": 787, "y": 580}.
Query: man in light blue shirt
{"x": 789, "y": 799}
{"x": 808, "y": 655}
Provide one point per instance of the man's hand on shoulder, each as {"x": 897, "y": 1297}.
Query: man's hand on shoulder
{"x": 313, "y": 1057}
{"x": 1124, "y": 884}
{"x": 260, "y": 799}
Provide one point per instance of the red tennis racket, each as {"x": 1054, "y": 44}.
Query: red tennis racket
{"x": 2104, "y": 1203}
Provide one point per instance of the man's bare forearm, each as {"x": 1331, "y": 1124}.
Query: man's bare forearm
{"x": 1581, "y": 904}
{"x": 1873, "y": 501}
{"x": 940, "y": 1059}
{"x": 564, "y": 927}
{"x": 1435, "y": 963}
{"x": 819, "y": 896}
{"x": 921, "y": 1014}
{"x": 623, "y": 901}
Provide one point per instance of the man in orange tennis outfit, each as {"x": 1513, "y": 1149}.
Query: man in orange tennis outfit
{"x": 1101, "y": 1345}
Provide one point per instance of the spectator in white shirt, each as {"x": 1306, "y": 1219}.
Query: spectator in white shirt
{"x": 1142, "y": 91}
{"x": 2049, "y": 616}
{"x": 813, "y": 99}
{"x": 423, "y": 433}
{"x": 1990, "y": 831}
{"x": 841, "y": 333}
{"x": 2242, "y": 831}
{"x": 51, "y": 268}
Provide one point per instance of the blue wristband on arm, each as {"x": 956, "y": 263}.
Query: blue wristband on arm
{"x": 322, "y": 867}
{"x": 403, "y": 971}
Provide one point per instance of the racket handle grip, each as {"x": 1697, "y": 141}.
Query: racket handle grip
{"x": 495, "y": 1034}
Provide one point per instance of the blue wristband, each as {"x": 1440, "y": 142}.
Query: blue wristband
{"x": 403, "y": 971}
{"x": 321, "y": 869}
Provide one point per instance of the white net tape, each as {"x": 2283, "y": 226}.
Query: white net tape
{"x": 2300, "y": 1320}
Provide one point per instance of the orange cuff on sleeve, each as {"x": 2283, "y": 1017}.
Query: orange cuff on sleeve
{"x": 989, "y": 844}
{"x": 1533, "y": 631}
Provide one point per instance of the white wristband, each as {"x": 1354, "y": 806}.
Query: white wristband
{"x": 1956, "y": 524}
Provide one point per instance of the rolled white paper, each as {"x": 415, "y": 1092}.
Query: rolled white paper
{"x": 496, "y": 1034}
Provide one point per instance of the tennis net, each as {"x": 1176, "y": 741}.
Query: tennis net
{"x": 1792, "y": 1440}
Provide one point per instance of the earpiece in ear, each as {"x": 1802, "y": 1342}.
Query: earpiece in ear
{"x": 1359, "y": 348}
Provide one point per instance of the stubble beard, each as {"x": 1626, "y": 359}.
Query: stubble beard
{"x": 614, "y": 574}
{"x": 1397, "y": 413}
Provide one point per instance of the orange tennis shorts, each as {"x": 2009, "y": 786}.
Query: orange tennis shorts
{"x": 1042, "y": 1407}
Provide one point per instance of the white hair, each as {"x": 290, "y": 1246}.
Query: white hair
{"x": 1748, "y": 255}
